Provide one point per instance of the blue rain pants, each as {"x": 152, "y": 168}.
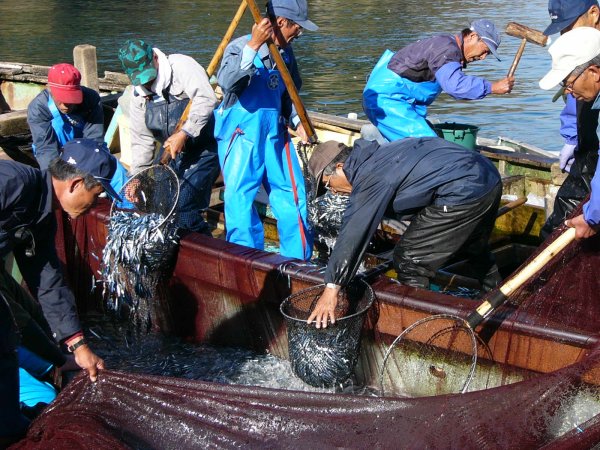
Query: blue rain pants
{"x": 397, "y": 106}
{"x": 254, "y": 149}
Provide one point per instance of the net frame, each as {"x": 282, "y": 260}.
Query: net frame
{"x": 149, "y": 173}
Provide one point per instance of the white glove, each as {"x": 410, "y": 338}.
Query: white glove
{"x": 567, "y": 156}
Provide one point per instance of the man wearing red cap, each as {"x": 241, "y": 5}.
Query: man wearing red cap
{"x": 65, "y": 111}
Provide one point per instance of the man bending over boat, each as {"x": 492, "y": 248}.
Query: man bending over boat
{"x": 403, "y": 84}
{"x": 65, "y": 111}
{"x": 163, "y": 87}
{"x": 576, "y": 67}
{"x": 579, "y": 155}
{"x": 28, "y": 199}
{"x": 251, "y": 128}
{"x": 452, "y": 194}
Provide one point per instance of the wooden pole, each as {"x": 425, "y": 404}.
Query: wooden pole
{"x": 84, "y": 58}
{"x": 216, "y": 59}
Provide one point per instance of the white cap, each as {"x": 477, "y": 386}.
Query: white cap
{"x": 572, "y": 49}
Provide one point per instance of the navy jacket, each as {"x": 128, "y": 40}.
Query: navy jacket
{"x": 44, "y": 138}
{"x": 26, "y": 203}
{"x": 403, "y": 177}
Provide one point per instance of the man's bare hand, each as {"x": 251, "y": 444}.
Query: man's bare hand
{"x": 504, "y": 86}
{"x": 174, "y": 145}
{"x": 325, "y": 308}
{"x": 582, "y": 228}
{"x": 301, "y": 132}
{"x": 261, "y": 33}
{"x": 88, "y": 360}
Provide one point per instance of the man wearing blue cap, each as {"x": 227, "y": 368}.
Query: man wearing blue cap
{"x": 403, "y": 84}
{"x": 251, "y": 130}
{"x": 579, "y": 155}
{"x": 28, "y": 199}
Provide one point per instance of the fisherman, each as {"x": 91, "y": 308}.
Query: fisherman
{"x": 452, "y": 194}
{"x": 28, "y": 198}
{"x": 579, "y": 155}
{"x": 251, "y": 129}
{"x": 403, "y": 84}
{"x": 65, "y": 111}
{"x": 163, "y": 87}
{"x": 576, "y": 67}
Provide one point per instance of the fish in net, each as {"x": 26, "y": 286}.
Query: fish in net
{"x": 137, "y": 255}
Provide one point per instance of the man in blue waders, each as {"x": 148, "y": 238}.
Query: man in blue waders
{"x": 403, "y": 84}
{"x": 251, "y": 129}
{"x": 65, "y": 111}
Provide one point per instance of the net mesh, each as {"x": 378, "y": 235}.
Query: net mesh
{"x": 327, "y": 356}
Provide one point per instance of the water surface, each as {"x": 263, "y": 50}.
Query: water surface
{"x": 334, "y": 61}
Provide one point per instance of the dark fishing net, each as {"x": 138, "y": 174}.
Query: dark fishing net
{"x": 326, "y": 357}
{"x": 143, "y": 412}
{"x": 141, "y": 246}
{"x": 139, "y": 251}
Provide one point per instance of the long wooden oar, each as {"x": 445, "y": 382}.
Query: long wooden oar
{"x": 212, "y": 67}
{"x": 438, "y": 354}
{"x": 287, "y": 78}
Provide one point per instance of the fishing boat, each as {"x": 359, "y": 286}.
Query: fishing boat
{"x": 229, "y": 295}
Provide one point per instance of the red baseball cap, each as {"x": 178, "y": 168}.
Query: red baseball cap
{"x": 64, "y": 81}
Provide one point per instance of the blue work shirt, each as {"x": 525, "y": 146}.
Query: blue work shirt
{"x": 591, "y": 210}
{"x": 39, "y": 118}
{"x": 568, "y": 121}
{"x": 403, "y": 176}
{"x": 439, "y": 58}
{"x": 26, "y": 197}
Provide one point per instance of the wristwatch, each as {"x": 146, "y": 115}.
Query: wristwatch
{"x": 76, "y": 345}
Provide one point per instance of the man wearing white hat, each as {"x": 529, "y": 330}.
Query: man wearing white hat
{"x": 576, "y": 67}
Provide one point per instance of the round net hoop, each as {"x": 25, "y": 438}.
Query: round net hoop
{"x": 153, "y": 190}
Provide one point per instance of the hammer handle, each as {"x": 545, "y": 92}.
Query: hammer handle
{"x": 515, "y": 63}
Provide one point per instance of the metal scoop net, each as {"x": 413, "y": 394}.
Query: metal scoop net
{"x": 141, "y": 245}
{"x": 326, "y": 357}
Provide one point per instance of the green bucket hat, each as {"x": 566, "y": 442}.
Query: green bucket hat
{"x": 136, "y": 58}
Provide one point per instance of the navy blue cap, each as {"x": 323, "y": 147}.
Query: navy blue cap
{"x": 89, "y": 156}
{"x": 488, "y": 32}
{"x": 296, "y": 10}
{"x": 564, "y": 12}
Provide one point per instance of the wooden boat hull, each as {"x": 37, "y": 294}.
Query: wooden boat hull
{"x": 225, "y": 294}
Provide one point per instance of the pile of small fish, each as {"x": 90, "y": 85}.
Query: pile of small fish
{"x": 139, "y": 249}
{"x": 325, "y": 213}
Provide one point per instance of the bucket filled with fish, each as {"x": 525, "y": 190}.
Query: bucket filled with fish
{"x": 326, "y": 357}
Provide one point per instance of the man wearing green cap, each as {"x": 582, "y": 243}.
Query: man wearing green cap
{"x": 163, "y": 86}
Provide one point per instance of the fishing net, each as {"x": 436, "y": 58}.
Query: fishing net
{"x": 141, "y": 245}
{"x": 326, "y": 357}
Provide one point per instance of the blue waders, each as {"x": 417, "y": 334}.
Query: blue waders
{"x": 68, "y": 127}
{"x": 397, "y": 106}
{"x": 255, "y": 149}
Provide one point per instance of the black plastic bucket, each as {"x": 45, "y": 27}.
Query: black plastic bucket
{"x": 459, "y": 133}
{"x": 326, "y": 357}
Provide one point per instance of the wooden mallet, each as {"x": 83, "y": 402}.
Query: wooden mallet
{"x": 525, "y": 34}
